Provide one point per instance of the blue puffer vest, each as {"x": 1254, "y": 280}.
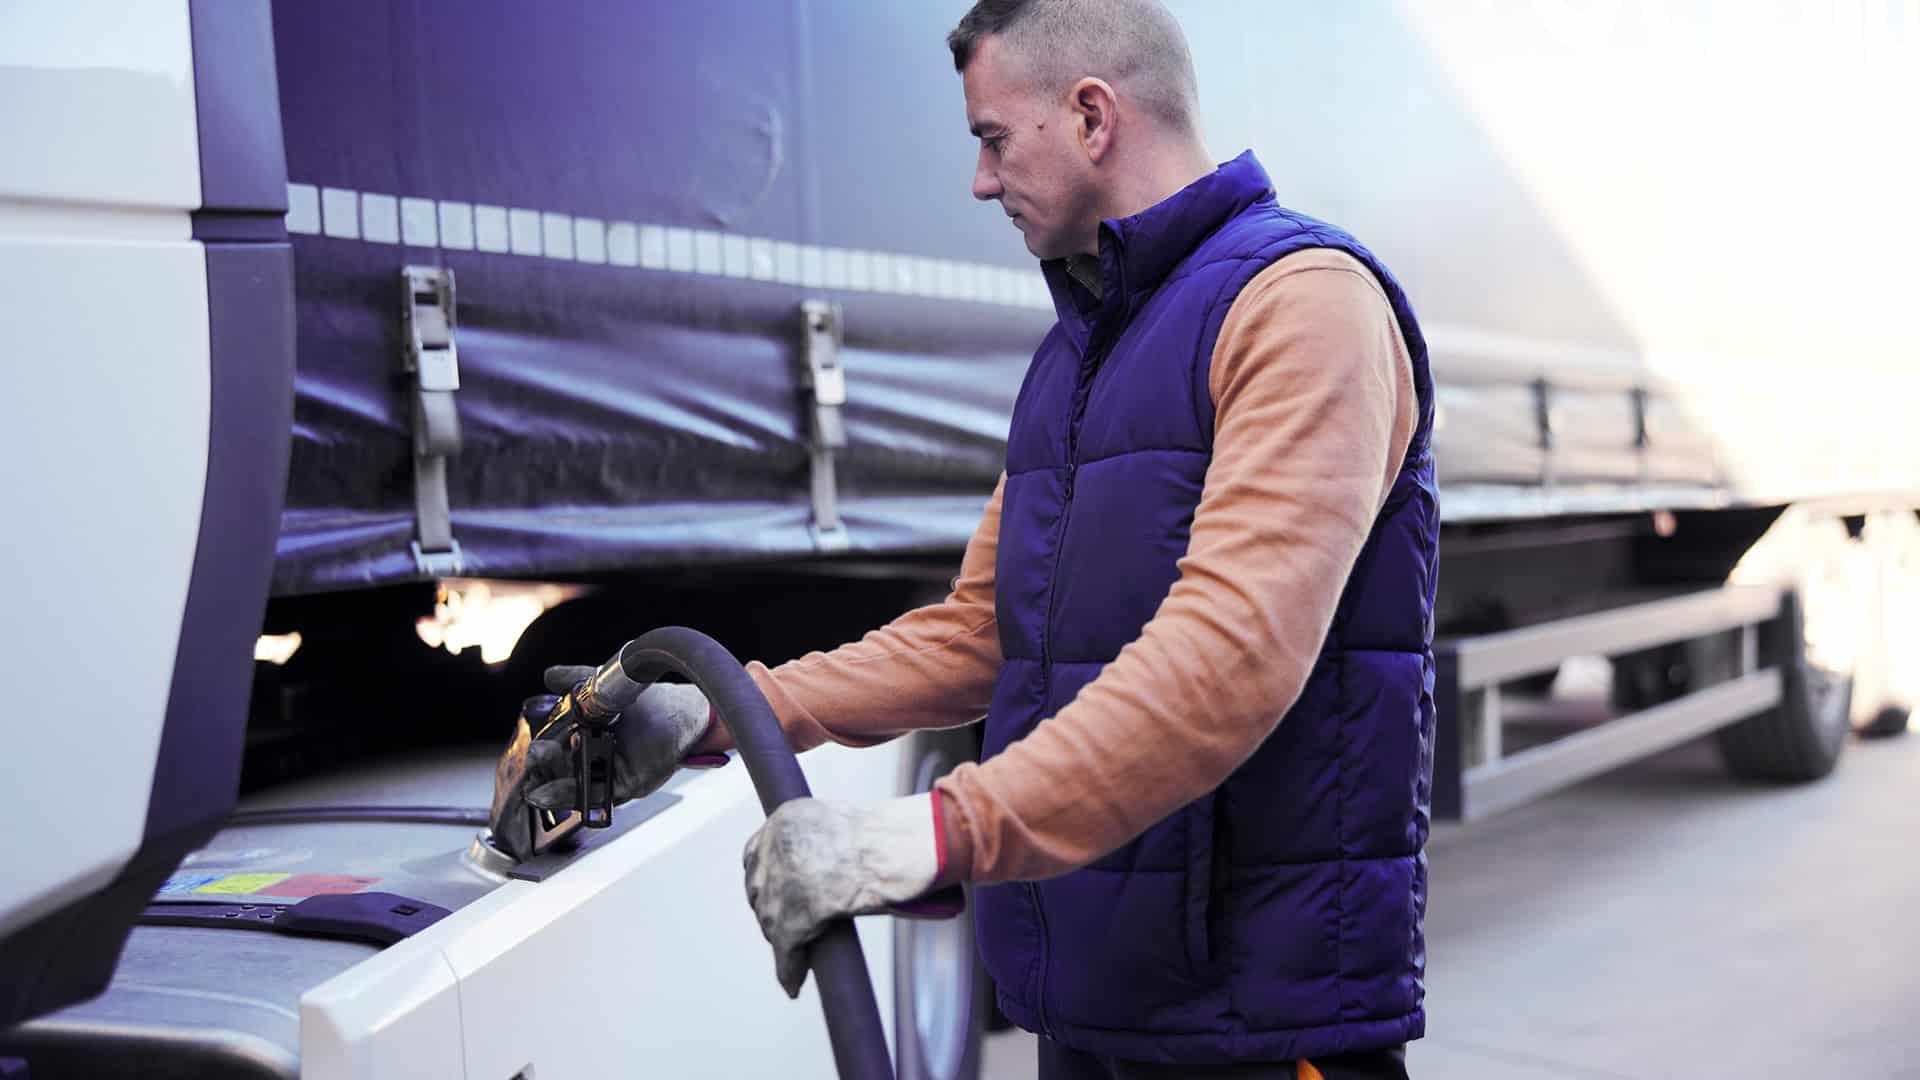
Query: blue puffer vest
{"x": 1280, "y": 916}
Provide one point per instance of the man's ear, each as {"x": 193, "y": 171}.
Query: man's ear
{"x": 1096, "y": 115}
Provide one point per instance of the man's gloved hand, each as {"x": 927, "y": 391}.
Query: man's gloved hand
{"x": 512, "y": 831}
{"x": 651, "y": 741}
{"x": 814, "y": 861}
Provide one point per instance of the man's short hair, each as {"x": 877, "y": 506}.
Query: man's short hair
{"x": 1135, "y": 45}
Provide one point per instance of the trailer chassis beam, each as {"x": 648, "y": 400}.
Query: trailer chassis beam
{"x": 1474, "y": 776}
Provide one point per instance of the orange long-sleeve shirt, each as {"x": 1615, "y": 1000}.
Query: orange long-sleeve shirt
{"x": 1314, "y": 409}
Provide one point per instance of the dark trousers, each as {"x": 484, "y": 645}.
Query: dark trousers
{"x": 1058, "y": 1062}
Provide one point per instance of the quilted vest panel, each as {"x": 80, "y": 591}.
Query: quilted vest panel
{"x": 1280, "y": 916}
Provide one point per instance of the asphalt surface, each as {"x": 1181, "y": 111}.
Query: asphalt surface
{"x": 1668, "y": 921}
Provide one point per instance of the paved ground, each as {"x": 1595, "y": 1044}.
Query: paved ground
{"x": 1666, "y": 921}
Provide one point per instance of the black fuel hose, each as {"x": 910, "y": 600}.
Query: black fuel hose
{"x": 839, "y": 965}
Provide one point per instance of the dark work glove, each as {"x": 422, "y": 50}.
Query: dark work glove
{"x": 650, "y": 742}
{"x": 652, "y": 738}
{"x": 512, "y": 831}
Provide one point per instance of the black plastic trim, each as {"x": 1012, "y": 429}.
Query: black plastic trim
{"x": 250, "y": 312}
{"x": 69, "y": 954}
{"x": 410, "y": 815}
{"x": 243, "y": 160}
{"x": 242, "y": 226}
{"x": 380, "y": 918}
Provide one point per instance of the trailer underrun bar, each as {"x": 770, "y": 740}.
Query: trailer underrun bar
{"x": 1474, "y": 775}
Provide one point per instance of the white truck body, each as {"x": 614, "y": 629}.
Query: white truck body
{"x": 103, "y": 420}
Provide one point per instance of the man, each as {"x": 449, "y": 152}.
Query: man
{"x": 1196, "y": 613}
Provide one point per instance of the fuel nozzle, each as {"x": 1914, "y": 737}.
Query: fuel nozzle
{"x": 584, "y": 718}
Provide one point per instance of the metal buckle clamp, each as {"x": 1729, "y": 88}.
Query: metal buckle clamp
{"x": 825, "y": 384}
{"x": 430, "y": 362}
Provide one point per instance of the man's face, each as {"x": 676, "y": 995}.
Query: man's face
{"x": 1030, "y": 161}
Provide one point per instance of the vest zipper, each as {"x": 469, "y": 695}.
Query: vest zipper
{"x": 1066, "y": 513}
{"x": 1046, "y": 949}
{"x": 1046, "y": 653}
{"x": 1080, "y": 395}
{"x": 1074, "y": 417}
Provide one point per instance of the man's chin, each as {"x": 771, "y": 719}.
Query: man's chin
{"x": 1039, "y": 248}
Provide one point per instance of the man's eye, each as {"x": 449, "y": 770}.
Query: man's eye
{"x": 993, "y": 144}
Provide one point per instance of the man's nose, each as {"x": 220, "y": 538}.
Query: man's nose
{"x": 986, "y": 183}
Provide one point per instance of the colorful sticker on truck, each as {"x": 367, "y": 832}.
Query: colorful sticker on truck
{"x": 240, "y": 884}
{"x": 180, "y": 883}
{"x": 319, "y": 885}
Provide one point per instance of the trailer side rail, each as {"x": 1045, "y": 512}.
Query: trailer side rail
{"x": 1475, "y": 776}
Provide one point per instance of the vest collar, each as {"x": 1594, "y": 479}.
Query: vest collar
{"x": 1137, "y": 253}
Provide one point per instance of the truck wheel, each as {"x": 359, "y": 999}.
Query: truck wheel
{"x": 1650, "y": 677}
{"x": 1801, "y": 738}
{"x": 1890, "y": 720}
{"x": 941, "y": 994}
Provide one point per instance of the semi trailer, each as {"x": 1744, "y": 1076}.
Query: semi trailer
{"x": 325, "y": 320}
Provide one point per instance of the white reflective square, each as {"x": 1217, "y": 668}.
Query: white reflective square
{"x": 734, "y": 258}
{"x": 456, "y": 226}
{"x": 813, "y": 272}
{"x": 836, "y": 272}
{"x": 653, "y": 247}
{"x": 623, "y": 244}
{"x": 786, "y": 262}
{"x": 885, "y": 278}
{"x": 969, "y": 280}
{"x": 590, "y": 239}
{"x": 928, "y": 276}
{"x": 379, "y": 218}
{"x": 556, "y": 232}
{"x": 680, "y": 250}
{"x": 706, "y": 251}
{"x": 303, "y": 208}
{"x": 490, "y": 228}
{"x": 524, "y": 227}
{"x": 996, "y": 282}
{"x": 1002, "y": 285}
{"x": 417, "y": 224}
{"x": 340, "y": 211}
{"x": 860, "y": 270}
{"x": 760, "y": 259}
{"x": 1012, "y": 287}
{"x": 1037, "y": 295}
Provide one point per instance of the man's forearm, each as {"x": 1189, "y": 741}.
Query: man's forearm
{"x": 933, "y": 667}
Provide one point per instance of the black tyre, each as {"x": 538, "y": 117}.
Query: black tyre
{"x": 1658, "y": 675}
{"x": 1891, "y": 720}
{"x": 941, "y": 995}
{"x": 1801, "y": 738}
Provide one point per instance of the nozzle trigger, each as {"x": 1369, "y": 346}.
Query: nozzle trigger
{"x": 593, "y": 774}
